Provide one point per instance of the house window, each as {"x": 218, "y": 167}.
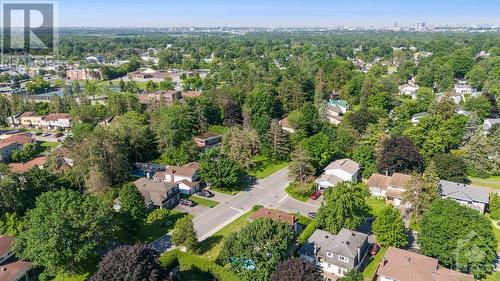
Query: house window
{"x": 329, "y": 254}
{"x": 344, "y": 259}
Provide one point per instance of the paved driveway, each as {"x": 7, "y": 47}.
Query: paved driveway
{"x": 268, "y": 192}
{"x": 162, "y": 244}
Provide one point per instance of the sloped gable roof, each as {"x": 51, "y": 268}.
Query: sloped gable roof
{"x": 463, "y": 192}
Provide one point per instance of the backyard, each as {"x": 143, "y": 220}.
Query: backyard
{"x": 491, "y": 182}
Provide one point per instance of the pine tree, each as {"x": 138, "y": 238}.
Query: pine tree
{"x": 422, "y": 190}
{"x": 320, "y": 93}
{"x": 301, "y": 168}
{"x": 280, "y": 143}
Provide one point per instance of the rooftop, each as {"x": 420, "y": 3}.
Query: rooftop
{"x": 275, "y": 215}
{"x": 24, "y": 167}
{"x": 463, "y": 192}
{"x": 344, "y": 164}
{"x": 404, "y": 265}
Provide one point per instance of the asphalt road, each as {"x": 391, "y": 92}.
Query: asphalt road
{"x": 268, "y": 192}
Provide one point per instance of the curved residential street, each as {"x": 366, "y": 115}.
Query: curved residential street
{"x": 268, "y": 192}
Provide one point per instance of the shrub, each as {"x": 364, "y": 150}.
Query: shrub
{"x": 256, "y": 208}
{"x": 159, "y": 216}
{"x": 169, "y": 260}
{"x": 308, "y": 231}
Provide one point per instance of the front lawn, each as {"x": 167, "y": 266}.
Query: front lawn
{"x": 210, "y": 247}
{"x": 370, "y": 269}
{"x": 152, "y": 231}
{"x": 201, "y": 201}
{"x": 299, "y": 192}
{"x": 376, "y": 206}
{"x": 491, "y": 182}
{"x": 265, "y": 167}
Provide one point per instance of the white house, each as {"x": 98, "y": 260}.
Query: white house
{"x": 286, "y": 126}
{"x": 338, "y": 171}
{"x": 488, "y": 123}
{"x": 390, "y": 188}
{"x": 56, "y": 121}
{"x": 409, "y": 90}
{"x": 186, "y": 176}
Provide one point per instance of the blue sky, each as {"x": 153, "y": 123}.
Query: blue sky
{"x": 158, "y": 13}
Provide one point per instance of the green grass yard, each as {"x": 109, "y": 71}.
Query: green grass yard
{"x": 209, "y": 248}
{"x": 491, "y": 182}
{"x": 201, "y": 201}
{"x": 370, "y": 269}
{"x": 376, "y": 205}
{"x": 266, "y": 167}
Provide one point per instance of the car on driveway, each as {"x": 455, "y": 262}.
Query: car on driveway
{"x": 315, "y": 195}
{"x": 312, "y": 215}
{"x": 186, "y": 202}
{"x": 374, "y": 249}
{"x": 205, "y": 193}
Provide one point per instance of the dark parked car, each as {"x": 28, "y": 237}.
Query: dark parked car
{"x": 315, "y": 195}
{"x": 185, "y": 202}
{"x": 312, "y": 215}
{"x": 374, "y": 249}
{"x": 206, "y": 193}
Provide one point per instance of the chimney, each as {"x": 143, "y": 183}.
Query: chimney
{"x": 172, "y": 175}
{"x": 385, "y": 262}
{"x": 148, "y": 175}
{"x": 359, "y": 254}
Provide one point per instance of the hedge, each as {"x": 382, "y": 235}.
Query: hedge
{"x": 169, "y": 260}
{"x": 308, "y": 231}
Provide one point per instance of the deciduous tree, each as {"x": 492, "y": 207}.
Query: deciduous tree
{"x": 344, "y": 206}
{"x": 389, "y": 228}
{"x": 137, "y": 262}
{"x": 259, "y": 245}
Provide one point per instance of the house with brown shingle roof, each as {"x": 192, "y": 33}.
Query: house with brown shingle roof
{"x": 186, "y": 176}
{"x": 403, "y": 265}
{"x": 276, "y": 215}
{"x": 338, "y": 171}
{"x": 390, "y": 188}
{"x": 12, "y": 269}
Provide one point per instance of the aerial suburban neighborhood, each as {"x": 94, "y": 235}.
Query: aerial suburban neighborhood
{"x": 297, "y": 146}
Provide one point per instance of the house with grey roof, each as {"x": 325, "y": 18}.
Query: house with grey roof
{"x": 488, "y": 123}
{"x": 472, "y": 197}
{"x": 159, "y": 194}
{"x": 338, "y": 171}
{"x": 336, "y": 254}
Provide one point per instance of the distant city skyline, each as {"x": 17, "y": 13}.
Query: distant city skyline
{"x": 275, "y": 13}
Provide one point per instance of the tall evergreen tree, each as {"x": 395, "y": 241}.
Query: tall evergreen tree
{"x": 301, "y": 168}
{"x": 279, "y": 141}
{"x": 422, "y": 190}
